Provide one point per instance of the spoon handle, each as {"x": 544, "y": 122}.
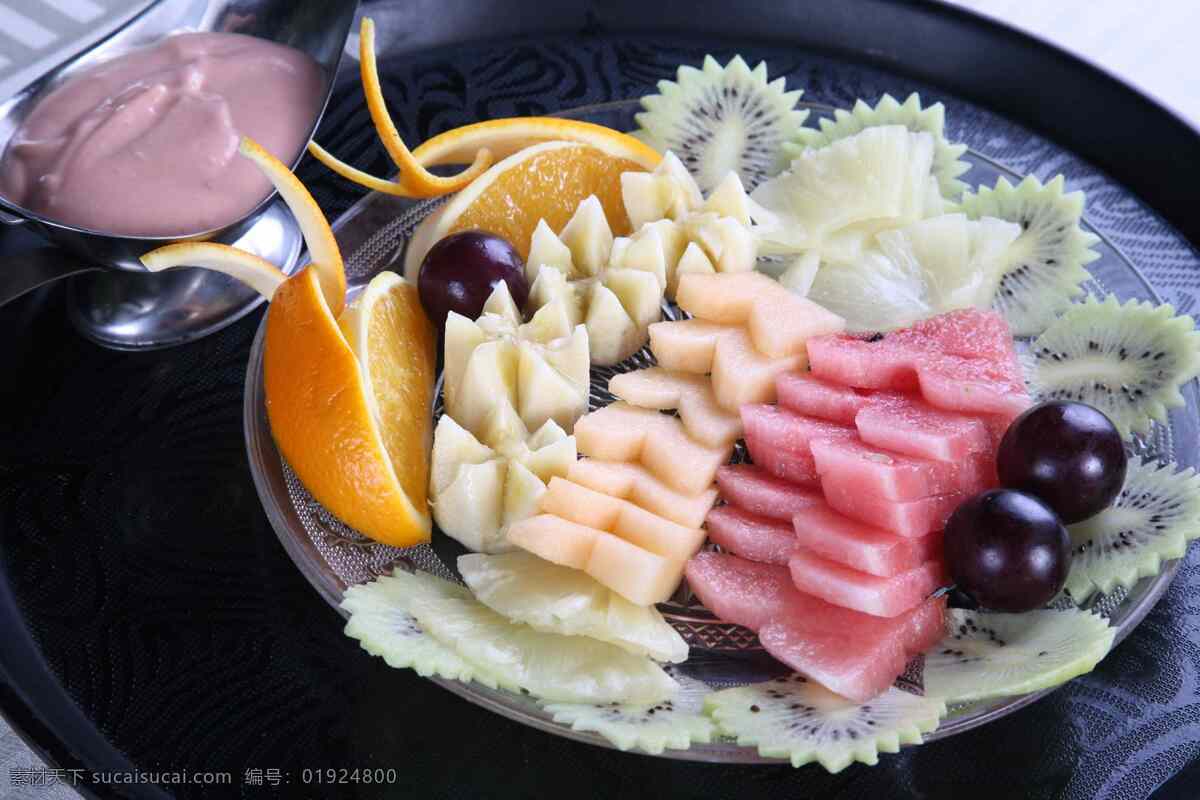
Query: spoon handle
{"x": 27, "y": 270}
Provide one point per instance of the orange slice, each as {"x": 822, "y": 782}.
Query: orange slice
{"x": 546, "y": 181}
{"x": 348, "y": 399}
{"x": 354, "y": 426}
{"x": 415, "y": 180}
{"x": 477, "y": 145}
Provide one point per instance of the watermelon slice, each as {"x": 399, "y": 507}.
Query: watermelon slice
{"x": 750, "y": 535}
{"x": 752, "y": 489}
{"x": 961, "y": 361}
{"x": 908, "y": 425}
{"x": 780, "y": 441}
{"x": 743, "y": 592}
{"x": 909, "y": 518}
{"x": 853, "y": 654}
{"x": 838, "y": 538}
{"x": 807, "y": 394}
{"x": 871, "y": 594}
{"x": 893, "y": 476}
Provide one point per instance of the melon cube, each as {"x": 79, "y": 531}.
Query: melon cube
{"x": 741, "y": 374}
{"x": 637, "y": 484}
{"x": 910, "y": 518}
{"x": 751, "y": 536}
{"x": 692, "y": 395}
{"x": 906, "y": 424}
{"x": 576, "y": 503}
{"x": 686, "y": 345}
{"x": 620, "y": 432}
{"x": 893, "y": 476}
{"x": 751, "y": 489}
{"x": 638, "y": 575}
{"x": 580, "y": 504}
{"x": 554, "y": 539}
{"x": 777, "y": 320}
{"x": 807, "y": 394}
{"x": 839, "y": 538}
{"x": 871, "y": 594}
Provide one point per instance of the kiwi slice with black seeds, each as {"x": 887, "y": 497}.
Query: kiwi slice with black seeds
{"x": 989, "y": 654}
{"x": 1044, "y": 271}
{"x": 791, "y": 717}
{"x": 674, "y": 723}
{"x": 723, "y": 119}
{"x": 1130, "y": 361}
{"x": 1152, "y": 520}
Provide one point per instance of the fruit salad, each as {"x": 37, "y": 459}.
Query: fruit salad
{"x": 800, "y": 370}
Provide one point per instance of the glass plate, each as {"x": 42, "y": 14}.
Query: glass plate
{"x": 373, "y": 235}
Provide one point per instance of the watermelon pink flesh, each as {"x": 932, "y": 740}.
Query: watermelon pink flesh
{"x": 751, "y": 536}
{"x": 961, "y": 361}
{"x": 909, "y": 518}
{"x": 855, "y": 655}
{"x": 807, "y": 394}
{"x": 751, "y": 489}
{"x": 743, "y": 592}
{"x": 896, "y": 477}
{"x": 907, "y": 424}
{"x": 837, "y": 647}
{"x": 780, "y": 441}
{"x": 838, "y": 538}
{"x": 871, "y": 594}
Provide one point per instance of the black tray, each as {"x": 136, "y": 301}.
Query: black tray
{"x": 152, "y": 622}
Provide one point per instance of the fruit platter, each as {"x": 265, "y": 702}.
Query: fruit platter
{"x": 717, "y": 425}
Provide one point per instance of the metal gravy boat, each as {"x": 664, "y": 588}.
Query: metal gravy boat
{"x": 118, "y": 303}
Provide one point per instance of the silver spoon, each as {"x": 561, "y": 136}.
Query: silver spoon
{"x": 118, "y": 303}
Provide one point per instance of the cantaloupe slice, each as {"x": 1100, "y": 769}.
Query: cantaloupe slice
{"x": 620, "y": 432}
{"x": 778, "y": 320}
{"x": 637, "y": 484}
{"x": 621, "y": 518}
{"x": 686, "y": 345}
{"x": 692, "y": 395}
{"x": 633, "y": 572}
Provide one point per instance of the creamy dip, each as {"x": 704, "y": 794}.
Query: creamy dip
{"x": 146, "y": 144}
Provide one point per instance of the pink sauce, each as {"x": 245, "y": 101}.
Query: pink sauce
{"x": 146, "y": 144}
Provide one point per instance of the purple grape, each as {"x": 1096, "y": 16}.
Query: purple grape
{"x": 1068, "y": 454}
{"x": 1007, "y": 550}
{"x": 460, "y": 271}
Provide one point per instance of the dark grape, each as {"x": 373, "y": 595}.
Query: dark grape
{"x": 1007, "y": 550}
{"x": 460, "y": 271}
{"x": 1068, "y": 454}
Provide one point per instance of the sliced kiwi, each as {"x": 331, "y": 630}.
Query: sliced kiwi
{"x": 888, "y": 111}
{"x": 989, "y": 654}
{"x": 380, "y": 621}
{"x": 723, "y": 119}
{"x": 673, "y": 723}
{"x": 1044, "y": 267}
{"x": 1152, "y": 520}
{"x": 790, "y": 717}
{"x": 1130, "y": 360}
